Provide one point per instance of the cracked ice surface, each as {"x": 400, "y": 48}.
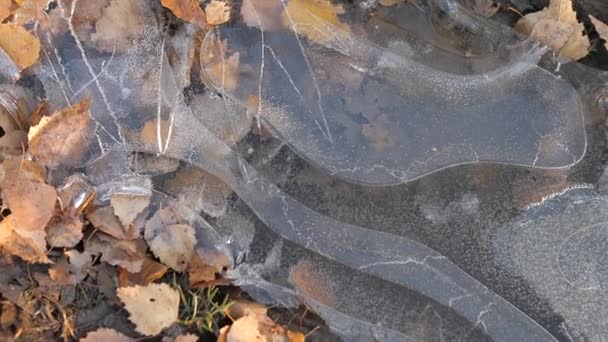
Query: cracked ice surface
{"x": 354, "y": 110}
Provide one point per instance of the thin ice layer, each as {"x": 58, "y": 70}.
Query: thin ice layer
{"x": 144, "y": 109}
{"x": 362, "y": 112}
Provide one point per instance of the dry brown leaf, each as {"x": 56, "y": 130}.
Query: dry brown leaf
{"x": 200, "y": 273}
{"x": 150, "y": 271}
{"x": 14, "y": 140}
{"x": 217, "y": 12}
{"x": 106, "y": 335}
{"x": 103, "y": 219}
{"x": 557, "y": 27}
{"x": 6, "y": 8}
{"x": 60, "y": 138}
{"x": 128, "y": 205}
{"x": 30, "y": 199}
{"x": 601, "y": 28}
{"x": 129, "y": 254}
{"x": 22, "y": 46}
{"x": 30, "y": 247}
{"x": 64, "y": 231}
{"x": 121, "y": 23}
{"x": 172, "y": 244}
{"x": 73, "y": 270}
{"x": 302, "y": 16}
{"x": 199, "y": 190}
{"x": 188, "y": 10}
{"x": 151, "y": 308}
{"x": 253, "y": 324}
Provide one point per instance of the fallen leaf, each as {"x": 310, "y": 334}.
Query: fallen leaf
{"x": 13, "y": 140}
{"x": 30, "y": 199}
{"x": 601, "y": 28}
{"x": 303, "y": 16}
{"x": 106, "y": 335}
{"x": 151, "y": 308}
{"x": 128, "y": 205}
{"x": 199, "y": 190}
{"x": 188, "y": 10}
{"x": 64, "y": 231}
{"x": 186, "y": 338}
{"x": 61, "y": 137}
{"x": 73, "y": 270}
{"x": 557, "y": 27}
{"x": 6, "y": 8}
{"x": 14, "y": 240}
{"x": 129, "y": 254}
{"x": 103, "y": 219}
{"x": 22, "y": 46}
{"x": 172, "y": 244}
{"x": 217, "y": 12}
{"x": 120, "y": 24}
{"x": 200, "y": 273}
{"x": 150, "y": 271}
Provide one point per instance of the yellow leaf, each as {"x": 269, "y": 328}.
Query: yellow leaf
{"x": 305, "y": 17}
{"x": 557, "y": 27}
{"x": 151, "y": 308}
{"x": 188, "y": 10}
{"x": 22, "y": 46}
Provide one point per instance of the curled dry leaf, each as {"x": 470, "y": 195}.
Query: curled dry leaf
{"x": 557, "y": 27}
{"x": 601, "y": 28}
{"x": 60, "y": 138}
{"x": 188, "y": 10}
{"x": 309, "y": 280}
{"x": 217, "y": 12}
{"x": 150, "y": 271}
{"x": 105, "y": 335}
{"x": 22, "y": 46}
{"x": 202, "y": 269}
{"x": 128, "y": 205}
{"x": 151, "y": 308}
